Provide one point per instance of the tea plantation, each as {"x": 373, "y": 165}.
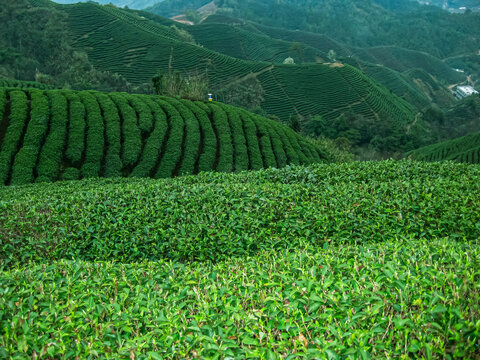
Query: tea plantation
{"x": 341, "y": 261}
{"x": 465, "y": 149}
{"x": 136, "y": 47}
{"x": 66, "y": 135}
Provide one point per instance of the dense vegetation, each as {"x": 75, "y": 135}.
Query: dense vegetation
{"x": 465, "y": 149}
{"x": 361, "y": 22}
{"x": 136, "y": 47}
{"x": 60, "y": 134}
{"x": 36, "y": 45}
{"x": 327, "y": 261}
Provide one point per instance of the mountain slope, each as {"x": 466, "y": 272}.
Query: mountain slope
{"x": 133, "y": 4}
{"x": 465, "y": 149}
{"x": 135, "y": 47}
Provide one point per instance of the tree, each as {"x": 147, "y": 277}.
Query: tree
{"x": 299, "y": 49}
{"x": 332, "y": 55}
{"x": 193, "y": 86}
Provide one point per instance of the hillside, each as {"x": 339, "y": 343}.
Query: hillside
{"x": 132, "y": 4}
{"x": 135, "y": 47}
{"x": 251, "y": 265}
{"x": 363, "y": 23}
{"x": 390, "y": 66}
{"x": 465, "y": 149}
{"x": 63, "y": 135}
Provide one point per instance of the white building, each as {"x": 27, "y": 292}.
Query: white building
{"x": 463, "y": 91}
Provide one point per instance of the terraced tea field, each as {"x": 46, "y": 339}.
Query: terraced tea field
{"x": 465, "y": 149}
{"x": 136, "y": 47}
{"x": 361, "y": 260}
{"x": 66, "y": 135}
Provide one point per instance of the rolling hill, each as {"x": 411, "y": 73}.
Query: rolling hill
{"x": 132, "y": 4}
{"x": 136, "y": 47}
{"x": 59, "y": 134}
{"x": 465, "y": 149}
{"x": 360, "y": 23}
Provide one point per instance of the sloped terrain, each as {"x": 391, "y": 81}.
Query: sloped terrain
{"x": 465, "y": 149}
{"x": 54, "y": 135}
{"x": 136, "y": 48}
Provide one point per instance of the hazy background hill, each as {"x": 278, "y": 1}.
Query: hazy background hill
{"x": 132, "y": 4}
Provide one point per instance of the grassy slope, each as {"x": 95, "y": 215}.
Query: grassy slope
{"x": 365, "y": 260}
{"x": 137, "y": 48}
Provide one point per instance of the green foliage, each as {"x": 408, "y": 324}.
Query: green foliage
{"x": 173, "y": 150}
{"x": 358, "y": 301}
{"x": 265, "y": 143}
{"x": 153, "y": 145}
{"x": 25, "y": 161}
{"x": 61, "y": 132}
{"x": 254, "y": 153}
{"x": 224, "y": 133}
{"x": 137, "y": 47}
{"x": 52, "y": 151}
{"x": 95, "y": 136}
{"x": 192, "y": 137}
{"x": 37, "y": 46}
{"x": 77, "y": 128}
{"x": 132, "y": 136}
{"x": 238, "y": 138}
{"x": 366, "y": 23}
{"x": 113, "y": 139}
{"x": 175, "y": 84}
{"x": 16, "y": 123}
{"x": 207, "y": 158}
{"x": 464, "y": 149}
{"x": 204, "y": 216}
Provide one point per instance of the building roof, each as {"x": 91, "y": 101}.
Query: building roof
{"x": 467, "y": 89}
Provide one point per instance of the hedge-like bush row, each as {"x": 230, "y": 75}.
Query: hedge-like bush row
{"x": 254, "y": 153}
{"x": 11, "y": 140}
{"x": 132, "y": 137}
{"x": 278, "y": 146}
{"x": 153, "y": 146}
{"x": 265, "y": 142}
{"x": 95, "y": 136}
{"x": 113, "y": 161}
{"x": 26, "y": 159}
{"x": 63, "y": 134}
{"x": 3, "y": 102}
{"x": 220, "y": 122}
{"x": 173, "y": 150}
{"x": 192, "y": 137}
{"x": 294, "y": 141}
{"x": 238, "y": 137}
{"x": 76, "y": 128}
{"x": 145, "y": 118}
{"x": 207, "y": 158}
{"x": 52, "y": 152}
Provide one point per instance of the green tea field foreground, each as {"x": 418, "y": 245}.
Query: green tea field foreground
{"x": 464, "y": 149}
{"x": 214, "y": 216}
{"x": 350, "y": 261}
{"x": 65, "y": 135}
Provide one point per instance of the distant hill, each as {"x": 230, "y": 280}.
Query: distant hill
{"x": 63, "y": 135}
{"x": 135, "y": 47}
{"x": 389, "y": 65}
{"x": 465, "y": 149}
{"x": 132, "y": 4}
{"x": 359, "y": 23}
